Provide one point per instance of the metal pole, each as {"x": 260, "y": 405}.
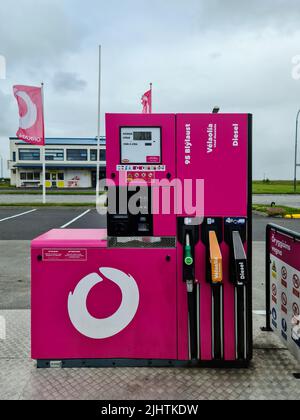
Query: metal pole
{"x": 151, "y": 103}
{"x": 268, "y": 327}
{"x": 2, "y": 163}
{"x": 296, "y": 152}
{"x": 99, "y": 123}
{"x": 44, "y": 151}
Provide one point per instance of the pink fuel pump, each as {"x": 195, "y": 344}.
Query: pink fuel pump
{"x": 162, "y": 286}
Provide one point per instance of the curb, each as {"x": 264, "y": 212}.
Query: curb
{"x": 292, "y": 216}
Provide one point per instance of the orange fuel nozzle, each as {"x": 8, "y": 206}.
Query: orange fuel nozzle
{"x": 215, "y": 259}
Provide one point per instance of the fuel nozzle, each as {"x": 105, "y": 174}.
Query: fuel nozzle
{"x": 215, "y": 257}
{"x": 189, "y": 262}
{"x": 188, "y": 258}
{"x": 236, "y": 237}
{"x": 212, "y": 237}
{"x": 188, "y": 237}
{"x": 238, "y": 265}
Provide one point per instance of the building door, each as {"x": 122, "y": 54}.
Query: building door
{"x": 94, "y": 178}
{"x": 54, "y": 179}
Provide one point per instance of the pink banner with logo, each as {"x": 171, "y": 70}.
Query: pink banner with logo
{"x": 31, "y": 123}
{"x": 147, "y": 102}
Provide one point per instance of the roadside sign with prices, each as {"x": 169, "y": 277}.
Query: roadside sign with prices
{"x": 284, "y": 287}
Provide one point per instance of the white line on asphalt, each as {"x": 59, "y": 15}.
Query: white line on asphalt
{"x": 259, "y": 312}
{"x": 74, "y": 220}
{"x": 17, "y": 215}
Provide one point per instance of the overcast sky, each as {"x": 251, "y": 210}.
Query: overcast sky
{"x": 197, "y": 53}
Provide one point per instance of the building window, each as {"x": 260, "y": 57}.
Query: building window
{"x": 37, "y": 175}
{"x": 77, "y": 154}
{"x": 47, "y": 176}
{"x": 29, "y": 154}
{"x": 61, "y": 176}
{"x": 55, "y": 154}
{"x": 93, "y": 155}
{"x": 102, "y": 155}
{"x": 102, "y": 173}
{"x": 30, "y": 176}
{"x": 14, "y": 156}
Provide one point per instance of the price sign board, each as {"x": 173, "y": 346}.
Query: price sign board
{"x": 284, "y": 290}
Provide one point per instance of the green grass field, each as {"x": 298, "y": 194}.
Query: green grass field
{"x": 274, "y": 187}
{"x": 259, "y": 187}
{"x": 275, "y": 211}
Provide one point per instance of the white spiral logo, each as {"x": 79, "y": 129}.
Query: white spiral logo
{"x": 96, "y": 328}
{"x": 29, "y": 119}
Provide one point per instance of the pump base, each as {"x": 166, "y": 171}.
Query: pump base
{"x": 108, "y": 363}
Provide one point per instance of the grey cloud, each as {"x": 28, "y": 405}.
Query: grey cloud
{"x": 7, "y": 121}
{"x": 279, "y": 15}
{"x": 36, "y": 33}
{"x": 68, "y": 82}
{"x": 198, "y": 53}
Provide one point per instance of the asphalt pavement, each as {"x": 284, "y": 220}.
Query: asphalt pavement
{"x": 23, "y": 223}
{"x": 289, "y": 200}
{"x": 26, "y": 223}
{"x": 51, "y": 198}
{"x": 279, "y": 199}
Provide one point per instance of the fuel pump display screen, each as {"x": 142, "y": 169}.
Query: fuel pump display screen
{"x": 140, "y": 145}
{"x": 142, "y": 135}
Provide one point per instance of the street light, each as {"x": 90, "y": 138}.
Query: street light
{"x": 296, "y": 152}
{"x": 2, "y": 163}
{"x": 216, "y": 110}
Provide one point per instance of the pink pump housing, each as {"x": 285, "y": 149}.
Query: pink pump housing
{"x": 93, "y": 304}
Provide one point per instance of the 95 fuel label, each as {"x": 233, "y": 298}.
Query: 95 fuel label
{"x": 59, "y": 254}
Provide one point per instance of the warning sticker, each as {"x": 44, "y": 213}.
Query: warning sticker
{"x": 64, "y": 254}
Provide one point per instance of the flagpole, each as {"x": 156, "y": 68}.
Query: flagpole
{"x": 99, "y": 123}
{"x": 151, "y": 86}
{"x": 44, "y": 150}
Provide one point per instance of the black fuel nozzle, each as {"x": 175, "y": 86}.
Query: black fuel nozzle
{"x": 235, "y": 236}
{"x": 238, "y": 263}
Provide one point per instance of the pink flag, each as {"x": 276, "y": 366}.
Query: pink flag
{"x": 147, "y": 102}
{"x": 31, "y": 126}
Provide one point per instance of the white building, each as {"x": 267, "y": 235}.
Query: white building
{"x": 70, "y": 163}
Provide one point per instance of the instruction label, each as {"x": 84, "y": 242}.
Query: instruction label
{"x": 64, "y": 254}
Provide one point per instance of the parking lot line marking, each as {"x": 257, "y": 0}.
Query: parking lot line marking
{"x": 17, "y": 215}
{"x": 74, "y": 220}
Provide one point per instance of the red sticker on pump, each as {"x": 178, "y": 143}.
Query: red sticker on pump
{"x": 64, "y": 255}
{"x": 153, "y": 159}
{"x": 140, "y": 176}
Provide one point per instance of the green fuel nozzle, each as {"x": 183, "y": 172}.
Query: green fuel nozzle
{"x": 188, "y": 258}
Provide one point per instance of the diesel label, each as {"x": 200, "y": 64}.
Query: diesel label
{"x": 235, "y": 138}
